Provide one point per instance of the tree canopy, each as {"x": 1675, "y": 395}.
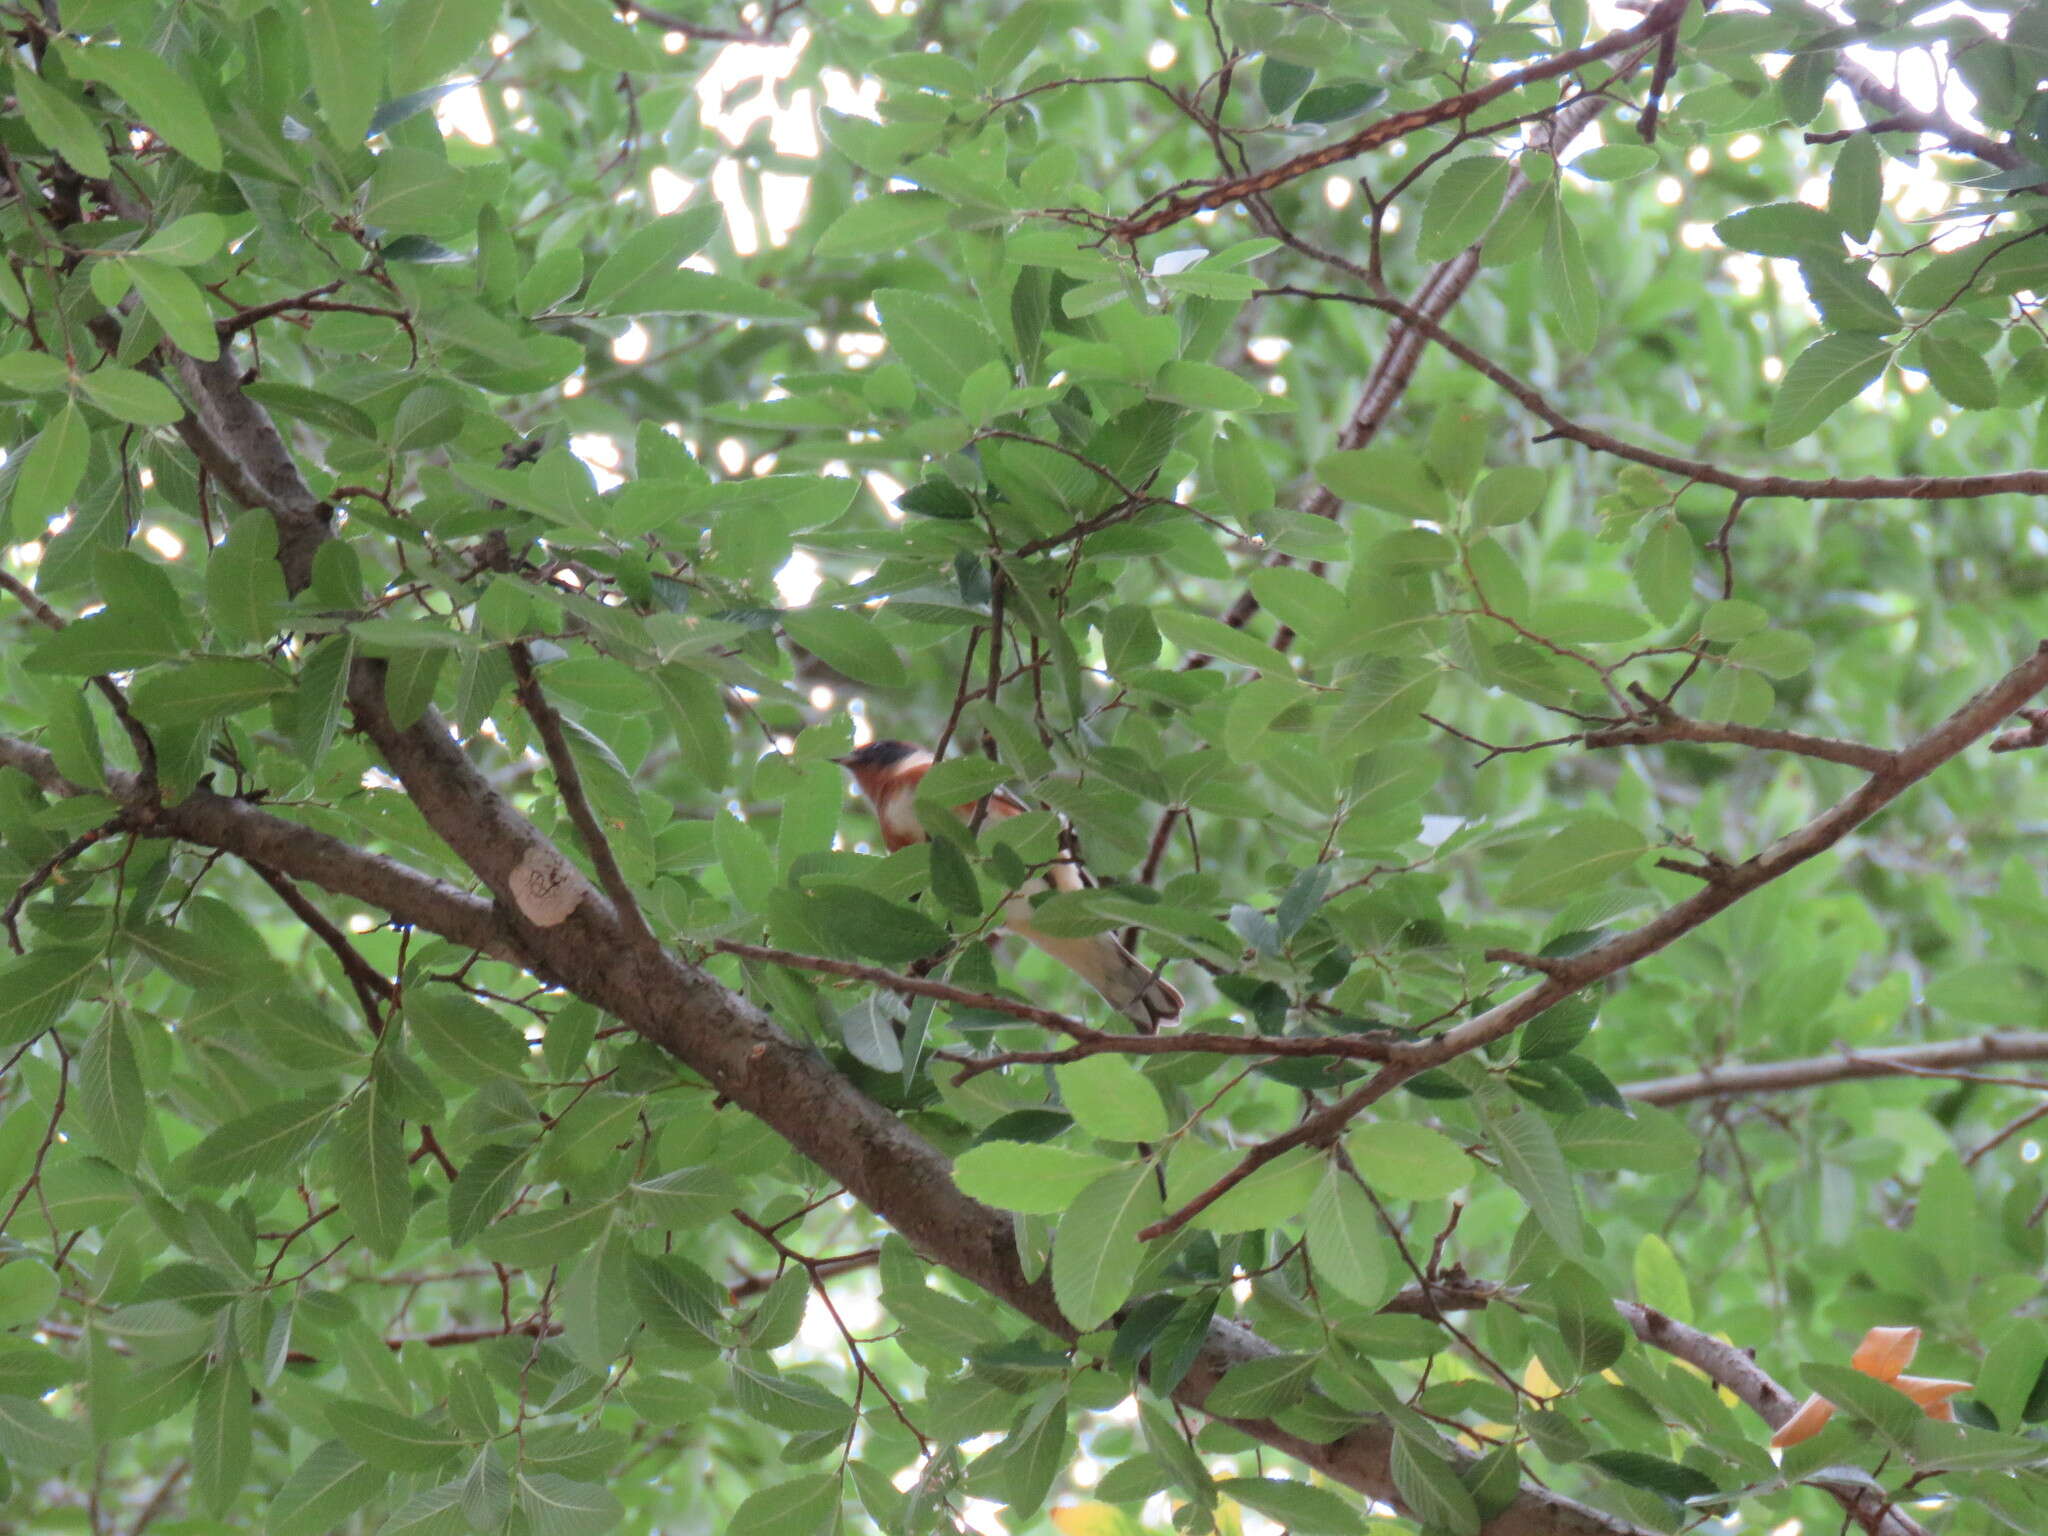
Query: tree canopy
{"x": 1502, "y": 535}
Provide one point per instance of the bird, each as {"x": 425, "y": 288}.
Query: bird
{"x": 888, "y": 773}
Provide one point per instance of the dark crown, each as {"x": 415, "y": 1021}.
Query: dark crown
{"x": 878, "y": 754}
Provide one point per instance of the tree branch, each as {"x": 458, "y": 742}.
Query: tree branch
{"x": 238, "y": 827}
{"x": 1903, "y": 115}
{"x": 1662, "y": 17}
{"x": 1904, "y": 768}
{"x": 569, "y": 780}
{"x": 2021, "y": 482}
{"x": 372, "y": 987}
{"x": 1842, "y": 1067}
{"x": 1736, "y": 1369}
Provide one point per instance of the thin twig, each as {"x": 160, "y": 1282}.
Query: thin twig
{"x": 1662, "y": 18}
{"x": 1942, "y": 1057}
{"x": 570, "y": 782}
{"x": 372, "y": 987}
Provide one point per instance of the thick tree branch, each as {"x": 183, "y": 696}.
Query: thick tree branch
{"x": 238, "y": 827}
{"x": 1843, "y": 1066}
{"x": 1904, "y": 768}
{"x": 1906, "y": 117}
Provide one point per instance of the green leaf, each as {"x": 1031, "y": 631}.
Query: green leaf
{"x": 1958, "y": 372}
{"x": 109, "y": 1090}
{"x": 1258, "y": 1389}
{"x": 1299, "y": 1506}
{"x": 36, "y": 988}
{"x": 696, "y": 711}
{"x": 690, "y": 292}
{"x": 106, "y": 642}
{"x": 1206, "y": 387}
{"x": 395, "y": 1442}
{"x": 1615, "y": 162}
{"x": 175, "y": 303}
{"x": 330, "y": 1485}
{"x": 366, "y": 1161}
{"x": 1663, "y": 569}
{"x": 596, "y": 33}
{"x": 1795, "y": 230}
{"x": 129, "y": 396}
{"x": 885, "y": 221}
{"x": 1345, "y": 1240}
{"x": 489, "y": 1179}
{"x": 554, "y": 1234}
{"x": 1773, "y": 652}
{"x": 462, "y": 1037}
{"x": 656, "y": 250}
{"x": 1583, "y": 855}
{"x": 314, "y": 711}
{"x": 1277, "y": 1191}
{"x": 847, "y": 640}
{"x": 33, "y": 1437}
{"x": 51, "y": 469}
{"x": 1509, "y": 495}
{"x": 157, "y": 94}
{"x": 1645, "y": 1139}
{"x": 1669, "y": 1479}
{"x": 269, "y": 1143}
{"x": 1660, "y": 1279}
{"x": 206, "y": 689}
{"x": 1392, "y": 479}
{"x": 1822, "y": 379}
{"x": 1028, "y": 1176}
{"x": 1847, "y": 298}
{"x": 1463, "y": 200}
{"x": 1406, "y": 1161}
{"x": 938, "y": 341}
{"x": 345, "y": 51}
{"x": 1856, "y": 186}
{"x": 55, "y": 117}
{"x": 1593, "y": 1336}
{"x": 440, "y": 37}
{"x": 1111, "y": 1099}
{"x": 556, "y": 1506}
{"x": 1574, "y": 299}
{"x": 856, "y": 921}
{"x": 677, "y": 1300}
{"x": 220, "y": 1435}
{"x": 1882, "y": 1406}
{"x": 803, "y": 1506}
{"x": 1533, "y": 1164}
{"x": 1428, "y": 1486}
{"x": 186, "y": 242}
{"x": 1096, "y": 1252}
{"x": 1334, "y": 103}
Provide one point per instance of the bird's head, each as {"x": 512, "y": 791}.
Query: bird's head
{"x": 876, "y": 766}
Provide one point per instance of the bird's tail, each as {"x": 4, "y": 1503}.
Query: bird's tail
{"x": 1120, "y": 976}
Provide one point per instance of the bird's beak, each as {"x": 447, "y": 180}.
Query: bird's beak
{"x": 844, "y": 762}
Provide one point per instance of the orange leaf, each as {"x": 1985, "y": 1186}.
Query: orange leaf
{"x": 1930, "y": 1392}
{"x": 1885, "y": 1352}
{"x": 1811, "y": 1418}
